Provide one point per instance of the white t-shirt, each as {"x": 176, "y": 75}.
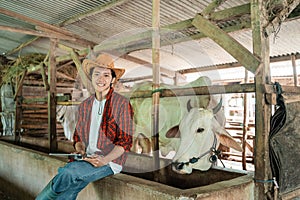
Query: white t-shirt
{"x": 97, "y": 112}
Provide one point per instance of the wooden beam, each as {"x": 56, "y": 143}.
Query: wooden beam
{"x": 62, "y": 75}
{"x": 230, "y": 13}
{"x": 53, "y": 28}
{"x": 52, "y": 97}
{"x": 210, "y": 90}
{"x": 261, "y": 48}
{"x": 295, "y": 194}
{"x": 67, "y": 57}
{"x": 232, "y": 65}
{"x": 126, "y": 80}
{"x": 19, "y": 84}
{"x": 201, "y": 90}
{"x": 219, "y": 16}
{"x": 21, "y": 46}
{"x": 40, "y": 83}
{"x": 75, "y": 39}
{"x": 65, "y": 64}
{"x": 86, "y": 82}
{"x": 35, "y": 99}
{"x": 295, "y": 13}
{"x": 34, "y": 21}
{"x": 209, "y": 68}
{"x": 211, "y": 7}
{"x": 43, "y": 72}
{"x": 179, "y": 25}
{"x": 36, "y": 33}
{"x": 233, "y": 47}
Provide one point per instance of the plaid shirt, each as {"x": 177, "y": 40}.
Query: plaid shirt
{"x": 116, "y": 127}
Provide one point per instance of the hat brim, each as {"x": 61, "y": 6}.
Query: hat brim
{"x": 88, "y": 65}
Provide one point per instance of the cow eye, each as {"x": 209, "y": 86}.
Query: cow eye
{"x": 200, "y": 130}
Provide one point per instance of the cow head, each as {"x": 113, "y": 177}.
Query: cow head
{"x": 200, "y": 135}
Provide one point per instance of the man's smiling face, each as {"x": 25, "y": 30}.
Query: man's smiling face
{"x": 101, "y": 80}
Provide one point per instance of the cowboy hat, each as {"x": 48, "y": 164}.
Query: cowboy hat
{"x": 103, "y": 60}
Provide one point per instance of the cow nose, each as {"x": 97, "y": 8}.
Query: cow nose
{"x": 178, "y": 166}
{"x": 181, "y": 168}
{"x": 213, "y": 158}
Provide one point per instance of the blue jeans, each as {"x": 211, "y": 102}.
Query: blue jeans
{"x": 75, "y": 176}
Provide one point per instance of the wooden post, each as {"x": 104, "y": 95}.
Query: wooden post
{"x": 176, "y": 78}
{"x": 262, "y": 110}
{"x": 18, "y": 112}
{"x": 295, "y": 74}
{"x": 156, "y": 81}
{"x": 52, "y": 97}
{"x": 18, "y": 99}
{"x": 245, "y": 123}
{"x": 43, "y": 73}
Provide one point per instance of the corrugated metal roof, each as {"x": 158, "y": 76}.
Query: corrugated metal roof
{"x": 102, "y": 20}
{"x": 108, "y": 21}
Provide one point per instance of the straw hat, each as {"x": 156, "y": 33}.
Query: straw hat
{"x": 103, "y": 60}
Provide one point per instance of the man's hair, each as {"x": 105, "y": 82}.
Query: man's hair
{"x": 113, "y": 73}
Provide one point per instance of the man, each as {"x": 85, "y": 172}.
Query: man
{"x": 103, "y": 133}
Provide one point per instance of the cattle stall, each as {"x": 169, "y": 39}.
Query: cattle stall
{"x": 217, "y": 185}
{"x": 257, "y": 186}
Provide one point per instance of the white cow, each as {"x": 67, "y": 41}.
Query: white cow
{"x": 200, "y": 135}
{"x": 171, "y": 111}
{"x": 199, "y": 120}
{"x": 67, "y": 116}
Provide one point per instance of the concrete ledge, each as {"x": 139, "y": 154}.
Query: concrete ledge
{"x": 24, "y": 172}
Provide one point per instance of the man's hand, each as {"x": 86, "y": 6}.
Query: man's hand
{"x": 80, "y": 148}
{"x": 96, "y": 160}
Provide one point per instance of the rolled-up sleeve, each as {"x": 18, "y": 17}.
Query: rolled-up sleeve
{"x": 125, "y": 126}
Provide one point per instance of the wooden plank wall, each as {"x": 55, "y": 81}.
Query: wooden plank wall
{"x": 34, "y": 106}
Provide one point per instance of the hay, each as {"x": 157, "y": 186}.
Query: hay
{"x": 14, "y": 69}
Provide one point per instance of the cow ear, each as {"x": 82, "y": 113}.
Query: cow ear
{"x": 173, "y": 132}
{"x": 229, "y": 142}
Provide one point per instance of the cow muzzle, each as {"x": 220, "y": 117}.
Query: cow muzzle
{"x": 182, "y": 168}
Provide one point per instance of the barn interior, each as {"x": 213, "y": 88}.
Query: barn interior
{"x": 248, "y": 49}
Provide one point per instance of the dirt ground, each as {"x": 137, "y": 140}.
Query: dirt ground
{"x": 3, "y": 196}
